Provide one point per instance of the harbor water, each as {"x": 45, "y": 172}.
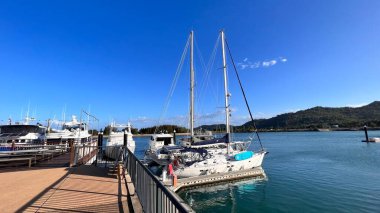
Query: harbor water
{"x": 305, "y": 172}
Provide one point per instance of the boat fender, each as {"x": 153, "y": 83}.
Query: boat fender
{"x": 175, "y": 162}
{"x": 170, "y": 169}
{"x": 243, "y": 155}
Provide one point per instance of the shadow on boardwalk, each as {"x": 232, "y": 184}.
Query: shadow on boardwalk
{"x": 54, "y": 187}
{"x": 83, "y": 189}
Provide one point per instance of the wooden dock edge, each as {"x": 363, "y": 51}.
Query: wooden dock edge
{"x": 216, "y": 178}
{"x": 134, "y": 204}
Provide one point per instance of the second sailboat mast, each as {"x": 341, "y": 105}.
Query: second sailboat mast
{"x": 226, "y": 94}
{"x": 192, "y": 84}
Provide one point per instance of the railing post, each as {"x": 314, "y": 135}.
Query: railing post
{"x": 100, "y": 139}
{"x": 76, "y": 159}
{"x": 153, "y": 195}
{"x": 72, "y": 153}
{"x": 125, "y": 139}
{"x": 84, "y": 153}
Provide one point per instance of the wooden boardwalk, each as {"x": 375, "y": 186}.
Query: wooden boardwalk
{"x": 56, "y": 188}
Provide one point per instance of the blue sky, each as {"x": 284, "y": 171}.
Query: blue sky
{"x": 118, "y": 58}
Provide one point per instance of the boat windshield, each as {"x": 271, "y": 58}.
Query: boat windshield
{"x": 72, "y": 127}
{"x": 20, "y": 129}
{"x": 166, "y": 140}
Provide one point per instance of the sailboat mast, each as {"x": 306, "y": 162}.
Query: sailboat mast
{"x": 192, "y": 83}
{"x": 226, "y": 94}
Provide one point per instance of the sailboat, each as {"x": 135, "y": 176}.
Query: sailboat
{"x": 203, "y": 155}
{"x": 161, "y": 144}
{"x": 198, "y": 160}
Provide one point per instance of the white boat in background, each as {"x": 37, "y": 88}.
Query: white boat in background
{"x": 155, "y": 152}
{"x": 116, "y": 139}
{"x": 72, "y": 130}
{"x": 22, "y": 132}
{"x": 373, "y": 140}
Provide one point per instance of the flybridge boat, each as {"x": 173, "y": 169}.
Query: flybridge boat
{"x": 116, "y": 139}
{"x": 204, "y": 156}
{"x": 22, "y": 132}
{"x": 72, "y": 130}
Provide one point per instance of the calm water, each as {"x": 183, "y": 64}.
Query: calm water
{"x": 306, "y": 172}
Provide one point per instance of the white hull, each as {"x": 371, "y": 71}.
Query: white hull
{"x": 67, "y": 136}
{"x": 161, "y": 159}
{"x": 28, "y": 138}
{"x": 115, "y": 141}
{"x": 219, "y": 164}
{"x": 375, "y": 140}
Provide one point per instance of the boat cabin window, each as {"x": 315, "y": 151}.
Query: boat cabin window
{"x": 166, "y": 140}
{"x": 19, "y": 129}
{"x": 75, "y": 127}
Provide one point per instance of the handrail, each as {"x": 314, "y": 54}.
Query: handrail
{"x": 153, "y": 195}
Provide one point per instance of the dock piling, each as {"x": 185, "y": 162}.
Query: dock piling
{"x": 100, "y": 139}
{"x": 125, "y": 138}
{"x": 366, "y": 134}
{"x": 174, "y": 137}
{"x": 72, "y": 152}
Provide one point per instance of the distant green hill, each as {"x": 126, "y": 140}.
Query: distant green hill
{"x": 323, "y": 117}
{"x": 314, "y": 118}
{"x": 163, "y": 128}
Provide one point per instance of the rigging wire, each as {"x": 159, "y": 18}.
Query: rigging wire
{"x": 197, "y": 91}
{"x": 206, "y": 78}
{"x": 245, "y": 98}
{"x": 174, "y": 84}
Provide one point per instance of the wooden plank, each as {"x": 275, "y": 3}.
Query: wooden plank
{"x": 14, "y": 159}
{"x": 215, "y": 178}
{"x": 18, "y": 159}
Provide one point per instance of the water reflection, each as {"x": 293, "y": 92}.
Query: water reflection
{"x": 224, "y": 196}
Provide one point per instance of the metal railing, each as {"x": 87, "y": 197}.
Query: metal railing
{"x": 153, "y": 195}
{"x": 90, "y": 153}
{"x": 19, "y": 147}
{"x": 85, "y": 153}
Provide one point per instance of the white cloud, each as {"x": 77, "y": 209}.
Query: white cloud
{"x": 246, "y": 64}
{"x": 243, "y": 66}
{"x": 269, "y": 63}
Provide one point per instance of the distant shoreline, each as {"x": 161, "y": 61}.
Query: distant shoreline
{"x": 277, "y": 130}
